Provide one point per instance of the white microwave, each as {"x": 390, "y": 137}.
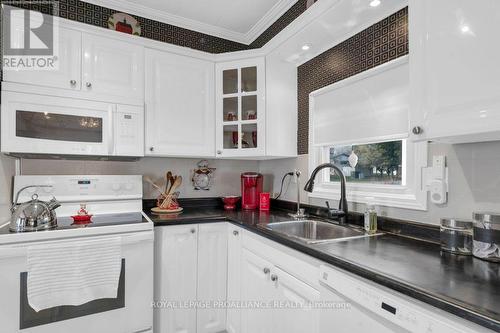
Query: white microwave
{"x": 37, "y": 124}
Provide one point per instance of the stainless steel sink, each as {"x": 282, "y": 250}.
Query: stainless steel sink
{"x": 312, "y": 231}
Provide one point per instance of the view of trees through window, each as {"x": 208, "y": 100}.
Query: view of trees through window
{"x": 379, "y": 163}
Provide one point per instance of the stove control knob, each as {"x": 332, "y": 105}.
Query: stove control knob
{"x": 129, "y": 186}
{"x": 116, "y": 187}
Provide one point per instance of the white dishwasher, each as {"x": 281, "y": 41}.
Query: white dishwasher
{"x": 373, "y": 308}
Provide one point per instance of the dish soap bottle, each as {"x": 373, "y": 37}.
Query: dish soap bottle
{"x": 371, "y": 219}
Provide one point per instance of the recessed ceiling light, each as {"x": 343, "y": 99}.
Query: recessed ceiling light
{"x": 375, "y": 3}
{"x": 465, "y": 29}
{"x": 306, "y": 47}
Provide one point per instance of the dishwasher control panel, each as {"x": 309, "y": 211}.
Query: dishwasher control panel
{"x": 397, "y": 310}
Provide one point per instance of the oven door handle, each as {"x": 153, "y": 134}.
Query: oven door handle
{"x": 111, "y": 129}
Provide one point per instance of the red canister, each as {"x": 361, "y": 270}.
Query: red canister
{"x": 265, "y": 201}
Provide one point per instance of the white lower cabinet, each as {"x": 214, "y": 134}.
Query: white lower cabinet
{"x": 190, "y": 267}
{"x": 176, "y": 255}
{"x": 212, "y": 277}
{"x": 233, "y": 320}
{"x": 279, "y": 302}
{"x": 258, "y": 292}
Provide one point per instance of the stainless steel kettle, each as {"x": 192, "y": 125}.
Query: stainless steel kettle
{"x": 33, "y": 215}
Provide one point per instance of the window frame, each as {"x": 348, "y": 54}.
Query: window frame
{"x": 409, "y": 195}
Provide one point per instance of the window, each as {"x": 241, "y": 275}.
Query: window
{"x": 377, "y": 163}
{"x": 361, "y": 125}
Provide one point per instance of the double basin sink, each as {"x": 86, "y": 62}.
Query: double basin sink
{"x": 314, "y": 231}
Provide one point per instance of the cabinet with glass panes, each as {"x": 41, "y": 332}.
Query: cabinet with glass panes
{"x": 240, "y": 108}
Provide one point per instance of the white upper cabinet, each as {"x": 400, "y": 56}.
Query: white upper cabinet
{"x": 281, "y": 106}
{"x": 240, "y": 108}
{"x": 88, "y": 67}
{"x": 68, "y": 64}
{"x": 454, "y": 74}
{"x": 180, "y": 114}
{"x": 112, "y": 67}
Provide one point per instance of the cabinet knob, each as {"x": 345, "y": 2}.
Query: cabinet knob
{"x": 235, "y": 232}
{"x": 88, "y": 84}
{"x": 193, "y": 231}
{"x": 274, "y": 277}
{"x": 417, "y": 130}
{"x": 151, "y": 148}
{"x": 266, "y": 270}
{"x": 72, "y": 82}
{"x": 219, "y": 152}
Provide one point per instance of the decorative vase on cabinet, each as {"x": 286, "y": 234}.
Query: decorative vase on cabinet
{"x": 240, "y": 108}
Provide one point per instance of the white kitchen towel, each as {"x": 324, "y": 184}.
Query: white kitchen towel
{"x": 73, "y": 272}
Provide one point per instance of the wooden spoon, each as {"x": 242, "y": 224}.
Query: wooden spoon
{"x": 175, "y": 185}
{"x": 156, "y": 187}
{"x": 168, "y": 177}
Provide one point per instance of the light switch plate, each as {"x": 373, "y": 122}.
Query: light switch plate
{"x": 435, "y": 180}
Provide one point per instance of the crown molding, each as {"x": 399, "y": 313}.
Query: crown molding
{"x": 268, "y": 19}
{"x": 246, "y": 38}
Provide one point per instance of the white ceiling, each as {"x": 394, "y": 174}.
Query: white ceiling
{"x": 237, "y": 20}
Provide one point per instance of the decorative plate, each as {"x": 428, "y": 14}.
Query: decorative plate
{"x": 124, "y": 23}
{"x": 159, "y": 210}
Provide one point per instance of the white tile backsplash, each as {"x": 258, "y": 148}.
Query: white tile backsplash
{"x": 226, "y": 180}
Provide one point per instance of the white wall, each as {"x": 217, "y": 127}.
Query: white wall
{"x": 227, "y": 173}
{"x": 7, "y": 170}
{"x": 474, "y": 182}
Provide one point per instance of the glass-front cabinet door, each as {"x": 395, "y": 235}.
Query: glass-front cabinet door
{"x": 240, "y": 105}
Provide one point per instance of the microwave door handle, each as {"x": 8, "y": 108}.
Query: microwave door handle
{"x": 111, "y": 137}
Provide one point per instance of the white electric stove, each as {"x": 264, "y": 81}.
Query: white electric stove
{"x": 114, "y": 201}
{"x": 116, "y": 205}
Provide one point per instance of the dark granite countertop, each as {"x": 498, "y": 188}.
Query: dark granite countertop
{"x": 465, "y": 286}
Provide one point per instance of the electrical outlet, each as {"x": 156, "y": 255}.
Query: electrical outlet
{"x": 294, "y": 177}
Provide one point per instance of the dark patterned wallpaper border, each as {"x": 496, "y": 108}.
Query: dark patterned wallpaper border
{"x": 382, "y": 42}
{"x": 290, "y": 15}
{"x": 84, "y": 12}
{"x": 88, "y": 13}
